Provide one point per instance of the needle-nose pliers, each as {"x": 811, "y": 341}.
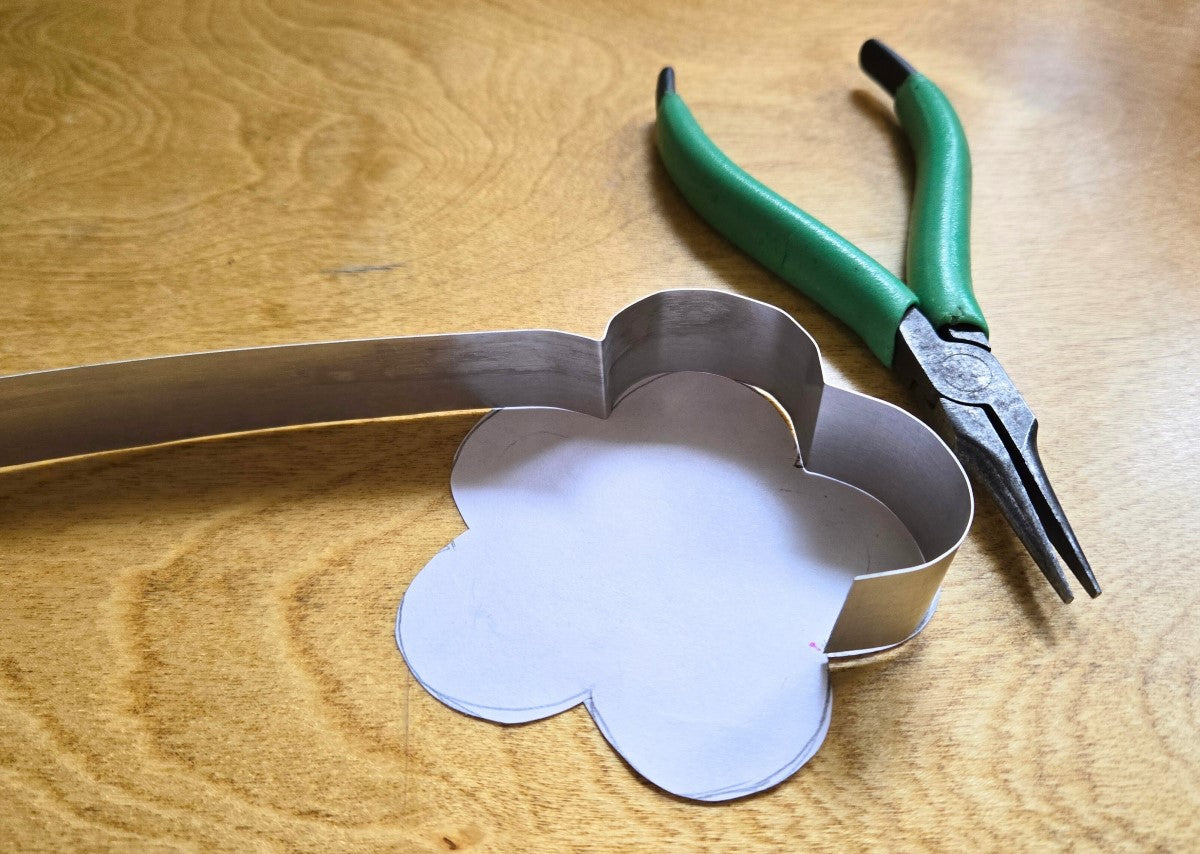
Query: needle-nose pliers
{"x": 930, "y": 331}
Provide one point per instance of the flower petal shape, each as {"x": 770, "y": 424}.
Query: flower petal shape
{"x": 671, "y": 567}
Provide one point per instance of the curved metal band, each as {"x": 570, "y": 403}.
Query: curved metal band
{"x": 895, "y": 458}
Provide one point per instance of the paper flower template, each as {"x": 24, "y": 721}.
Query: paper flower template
{"x": 670, "y": 567}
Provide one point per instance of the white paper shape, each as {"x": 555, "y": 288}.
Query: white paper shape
{"x": 670, "y": 567}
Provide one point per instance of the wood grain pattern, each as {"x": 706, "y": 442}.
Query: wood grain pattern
{"x": 195, "y": 641}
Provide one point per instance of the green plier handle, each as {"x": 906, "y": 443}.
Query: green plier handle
{"x": 817, "y": 260}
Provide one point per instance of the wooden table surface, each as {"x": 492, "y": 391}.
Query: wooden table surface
{"x": 196, "y": 643}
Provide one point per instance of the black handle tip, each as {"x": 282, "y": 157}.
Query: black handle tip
{"x": 884, "y": 65}
{"x": 666, "y": 84}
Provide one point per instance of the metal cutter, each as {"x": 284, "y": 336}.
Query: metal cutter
{"x": 871, "y": 445}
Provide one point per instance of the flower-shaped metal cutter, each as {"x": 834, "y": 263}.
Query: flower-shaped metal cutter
{"x": 849, "y": 437}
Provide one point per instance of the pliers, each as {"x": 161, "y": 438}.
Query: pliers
{"x": 930, "y": 331}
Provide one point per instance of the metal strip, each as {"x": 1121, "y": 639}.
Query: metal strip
{"x": 892, "y": 456}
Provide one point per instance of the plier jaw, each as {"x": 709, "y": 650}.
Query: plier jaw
{"x": 977, "y": 410}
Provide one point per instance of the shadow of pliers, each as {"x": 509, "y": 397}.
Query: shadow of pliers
{"x": 931, "y": 331}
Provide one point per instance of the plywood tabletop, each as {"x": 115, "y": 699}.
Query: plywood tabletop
{"x": 196, "y": 644}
